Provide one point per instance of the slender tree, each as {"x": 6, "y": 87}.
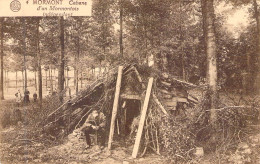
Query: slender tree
{"x": 77, "y": 60}
{"x": 39, "y": 69}
{"x": 121, "y": 28}
{"x": 2, "y": 61}
{"x": 24, "y": 52}
{"x": 15, "y": 79}
{"x": 61, "y": 59}
{"x": 257, "y": 18}
{"x": 210, "y": 40}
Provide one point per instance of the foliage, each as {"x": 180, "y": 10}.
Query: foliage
{"x": 6, "y": 118}
{"x": 9, "y": 115}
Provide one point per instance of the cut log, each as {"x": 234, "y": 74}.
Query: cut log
{"x": 166, "y": 96}
{"x": 142, "y": 119}
{"x": 115, "y": 105}
{"x": 165, "y": 92}
{"x": 183, "y": 100}
{"x": 180, "y": 92}
{"x": 193, "y": 99}
{"x": 166, "y": 83}
{"x": 171, "y": 103}
{"x": 131, "y": 97}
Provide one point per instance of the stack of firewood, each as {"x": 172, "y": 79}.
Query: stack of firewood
{"x": 175, "y": 93}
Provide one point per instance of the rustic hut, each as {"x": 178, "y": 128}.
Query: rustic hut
{"x": 126, "y": 93}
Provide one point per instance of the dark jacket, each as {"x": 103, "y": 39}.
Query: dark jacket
{"x": 100, "y": 120}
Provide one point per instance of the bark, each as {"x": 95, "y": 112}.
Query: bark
{"x": 7, "y": 81}
{"x": 39, "y": 69}
{"x": 76, "y": 65}
{"x": 61, "y": 60}
{"x": 54, "y": 77}
{"x": 121, "y": 29}
{"x": 146, "y": 46}
{"x": 65, "y": 82}
{"x": 257, "y": 17}
{"x": 2, "y": 61}
{"x": 46, "y": 80}
{"x": 100, "y": 68}
{"x": 210, "y": 40}
{"x": 15, "y": 79}
{"x": 23, "y": 79}
{"x": 81, "y": 79}
{"x": 182, "y": 55}
{"x": 24, "y": 52}
{"x": 67, "y": 76}
{"x": 51, "y": 81}
{"x": 35, "y": 80}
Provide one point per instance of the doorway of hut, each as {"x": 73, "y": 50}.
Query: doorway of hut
{"x": 131, "y": 110}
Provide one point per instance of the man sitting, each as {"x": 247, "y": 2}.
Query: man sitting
{"x": 95, "y": 122}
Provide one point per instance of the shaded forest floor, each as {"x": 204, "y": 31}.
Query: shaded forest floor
{"x": 18, "y": 144}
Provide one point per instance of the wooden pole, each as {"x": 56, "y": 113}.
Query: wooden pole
{"x": 115, "y": 105}
{"x": 159, "y": 104}
{"x": 142, "y": 119}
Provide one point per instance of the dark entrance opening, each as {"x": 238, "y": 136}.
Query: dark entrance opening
{"x": 132, "y": 110}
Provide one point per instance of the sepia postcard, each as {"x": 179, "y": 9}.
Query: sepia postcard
{"x": 130, "y": 81}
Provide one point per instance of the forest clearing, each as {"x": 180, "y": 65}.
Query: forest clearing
{"x": 138, "y": 81}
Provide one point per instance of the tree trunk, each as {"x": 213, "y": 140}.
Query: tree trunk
{"x": 81, "y": 79}
{"x": 181, "y": 41}
{"x": 257, "y": 17}
{"x": 7, "y": 81}
{"x": 39, "y": 68}
{"x": 54, "y": 72}
{"x": 61, "y": 60}
{"x": 121, "y": 29}
{"x": 146, "y": 47}
{"x": 16, "y": 79}
{"x": 35, "y": 80}
{"x": 77, "y": 70}
{"x": 51, "y": 81}
{"x": 208, "y": 16}
{"x": 2, "y": 61}
{"x": 24, "y": 52}
{"x": 46, "y": 80}
{"x": 23, "y": 79}
{"x": 67, "y": 77}
{"x": 100, "y": 68}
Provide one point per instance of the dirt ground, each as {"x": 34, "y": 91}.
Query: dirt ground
{"x": 15, "y": 147}
{"x": 18, "y": 144}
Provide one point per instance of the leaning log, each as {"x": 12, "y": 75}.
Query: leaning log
{"x": 115, "y": 105}
{"x": 142, "y": 119}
